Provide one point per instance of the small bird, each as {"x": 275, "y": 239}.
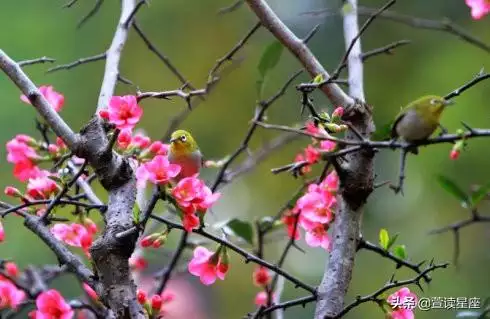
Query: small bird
{"x": 185, "y": 152}
{"x": 419, "y": 119}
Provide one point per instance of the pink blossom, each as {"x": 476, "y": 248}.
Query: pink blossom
{"x": 261, "y": 276}
{"x": 316, "y": 207}
{"x": 205, "y": 264}
{"x": 26, "y": 169}
{"x": 311, "y": 128}
{"x": 124, "y": 139}
{"x": 158, "y": 170}
{"x": 454, "y": 154}
{"x": 123, "y": 111}
{"x": 41, "y": 188}
{"x": 192, "y": 194}
{"x": 261, "y": 299}
{"x": 141, "y": 296}
{"x": 190, "y": 222}
{"x": 54, "y": 98}
{"x": 2, "y": 233}
{"x": 316, "y": 234}
{"x": 301, "y": 158}
{"x": 479, "y": 8}
{"x": 18, "y": 150}
{"x": 51, "y": 305}
{"x": 10, "y": 296}
{"x": 289, "y": 219}
{"x": 312, "y": 155}
{"x": 158, "y": 148}
{"x": 338, "y": 112}
{"x": 327, "y": 146}
{"x": 140, "y": 141}
{"x": 138, "y": 263}
{"x": 11, "y": 269}
{"x": 73, "y": 234}
{"x": 403, "y": 303}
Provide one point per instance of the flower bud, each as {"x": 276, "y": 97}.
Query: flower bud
{"x": 104, "y": 114}
{"x": 12, "y": 191}
{"x": 141, "y": 296}
{"x": 11, "y": 269}
{"x": 454, "y": 154}
{"x": 90, "y": 292}
{"x": 53, "y": 149}
{"x": 158, "y": 148}
{"x": 261, "y": 276}
{"x": 337, "y": 113}
{"x": 156, "y": 303}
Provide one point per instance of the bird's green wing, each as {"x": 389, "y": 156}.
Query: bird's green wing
{"x": 399, "y": 117}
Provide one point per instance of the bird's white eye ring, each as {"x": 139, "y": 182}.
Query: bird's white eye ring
{"x": 183, "y": 138}
{"x": 433, "y": 101}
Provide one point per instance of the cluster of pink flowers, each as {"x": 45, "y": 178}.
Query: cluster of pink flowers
{"x": 314, "y": 212}
{"x": 76, "y": 235}
{"x": 10, "y": 295}
{"x": 193, "y": 197}
{"x": 140, "y": 146}
{"x": 50, "y": 304}
{"x": 154, "y": 306}
{"x": 479, "y": 8}
{"x": 208, "y": 265}
{"x": 158, "y": 171}
{"x": 154, "y": 240}
{"x": 403, "y": 302}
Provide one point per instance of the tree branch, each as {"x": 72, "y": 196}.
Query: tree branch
{"x": 297, "y": 47}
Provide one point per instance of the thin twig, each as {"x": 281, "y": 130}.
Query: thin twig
{"x": 78, "y": 62}
{"x": 43, "y": 59}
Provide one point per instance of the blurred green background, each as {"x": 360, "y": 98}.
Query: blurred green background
{"x": 194, "y": 36}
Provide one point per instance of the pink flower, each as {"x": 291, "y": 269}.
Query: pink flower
{"x": 141, "y": 296}
{"x": 316, "y": 207}
{"x": 158, "y": 148}
{"x": 140, "y": 141}
{"x": 41, "y": 188}
{"x": 312, "y": 129}
{"x": 289, "y": 219}
{"x": 51, "y": 305}
{"x": 18, "y": 150}
{"x": 205, "y": 264}
{"x": 10, "y": 296}
{"x": 90, "y": 292}
{"x": 138, "y": 263}
{"x": 26, "y": 169}
{"x": 261, "y": 276}
{"x": 261, "y": 299}
{"x": 301, "y": 158}
{"x": 327, "y": 146}
{"x": 2, "y": 233}
{"x": 124, "y": 139}
{"x": 479, "y": 8}
{"x": 54, "y": 98}
{"x": 73, "y": 234}
{"x": 190, "y": 222}
{"x": 316, "y": 234}
{"x": 193, "y": 191}
{"x": 158, "y": 170}
{"x": 11, "y": 269}
{"x": 338, "y": 112}
{"x": 454, "y": 155}
{"x": 123, "y": 111}
{"x": 312, "y": 155}
{"x": 403, "y": 303}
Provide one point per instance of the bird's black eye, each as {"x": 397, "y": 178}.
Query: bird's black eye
{"x": 183, "y": 138}
{"x": 433, "y": 101}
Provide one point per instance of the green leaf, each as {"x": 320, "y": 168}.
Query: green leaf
{"x": 238, "y": 228}
{"x": 400, "y": 251}
{"x": 384, "y": 238}
{"x": 270, "y": 58}
{"x": 392, "y": 241}
{"x": 449, "y": 186}
{"x": 136, "y": 215}
{"x": 479, "y": 194}
{"x": 318, "y": 79}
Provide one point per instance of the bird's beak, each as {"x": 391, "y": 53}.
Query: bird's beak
{"x": 173, "y": 140}
{"x": 448, "y": 102}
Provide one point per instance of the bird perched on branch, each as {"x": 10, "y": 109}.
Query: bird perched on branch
{"x": 419, "y": 119}
{"x": 185, "y": 152}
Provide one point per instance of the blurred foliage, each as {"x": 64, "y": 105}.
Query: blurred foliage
{"x": 193, "y": 36}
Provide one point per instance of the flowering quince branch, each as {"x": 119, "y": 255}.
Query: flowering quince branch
{"x": 43, "y": 59}
{"x": 364, "y": 244}
{"x": 392, "y": 283}
{"x": 68, "y": 66}
{"x": 248, "y": 256}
